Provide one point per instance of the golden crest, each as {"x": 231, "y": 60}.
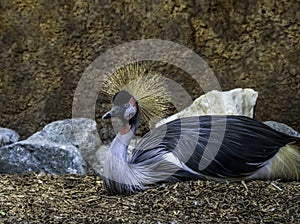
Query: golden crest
{"x": 147, "y": 87}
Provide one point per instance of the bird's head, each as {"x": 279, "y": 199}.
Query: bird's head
{"x": 136, "y": 92}
{"x": 125, "y": 108}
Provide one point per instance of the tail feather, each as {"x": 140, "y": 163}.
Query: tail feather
{"x": 286, "y": 163}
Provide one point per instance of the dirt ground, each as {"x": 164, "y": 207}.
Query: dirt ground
{"x": 33, "y": 198}
{"x": 45, "y": 47}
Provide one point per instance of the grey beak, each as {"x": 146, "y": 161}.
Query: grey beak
{"x": 116, "y": 111}
{"x": 107, "y": 115}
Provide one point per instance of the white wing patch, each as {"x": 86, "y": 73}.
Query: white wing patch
{"x": 170, "y": 157}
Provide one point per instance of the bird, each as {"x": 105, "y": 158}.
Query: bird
{"x": 208, "y": 147}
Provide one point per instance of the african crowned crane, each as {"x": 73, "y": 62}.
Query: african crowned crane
{"x": 191, "y": 148}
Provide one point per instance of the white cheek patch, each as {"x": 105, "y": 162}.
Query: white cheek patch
{"x": 130, "y": 112}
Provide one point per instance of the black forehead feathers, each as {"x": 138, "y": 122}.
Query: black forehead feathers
{"x": 122, "y": 97}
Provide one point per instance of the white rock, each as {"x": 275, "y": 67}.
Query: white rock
{"x": 234, "y": 102}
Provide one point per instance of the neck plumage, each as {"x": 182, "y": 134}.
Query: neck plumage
{"x": 119, "y": 145}
{"x": 118, "y": 174}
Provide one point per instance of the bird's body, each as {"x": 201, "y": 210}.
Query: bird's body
{"x": 204, "y": 147}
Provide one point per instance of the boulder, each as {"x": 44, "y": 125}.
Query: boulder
{"x": 234, "y": 102}
{"x": 61, "y": 147}
{"x": 8, "y": 136}
{"x": 79, "y": 132}
{"x": 282, "y": 128}
{"x": 41, "y": 157}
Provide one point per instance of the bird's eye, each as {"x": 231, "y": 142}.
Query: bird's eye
{"x": 126, "y": 105}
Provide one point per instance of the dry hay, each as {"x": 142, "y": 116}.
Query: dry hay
{"x": 35, "y": 198}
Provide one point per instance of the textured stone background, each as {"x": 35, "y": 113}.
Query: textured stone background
{"x": 46, "y": 45}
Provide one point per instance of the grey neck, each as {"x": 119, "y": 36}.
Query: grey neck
{"x": 119, "y": 145}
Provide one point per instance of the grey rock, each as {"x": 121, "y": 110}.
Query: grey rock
{"x": 282, "y": 128}
{"x": 8, "y": 136}
{"x": 61, "y": 147}
{"x": 79, "y": 132}
{"x": 44, "y": 157}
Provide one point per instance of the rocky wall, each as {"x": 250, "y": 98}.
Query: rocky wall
{"x": 46, "y": 45}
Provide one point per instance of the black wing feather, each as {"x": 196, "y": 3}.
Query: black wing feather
{"x": 245, "y": 147}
